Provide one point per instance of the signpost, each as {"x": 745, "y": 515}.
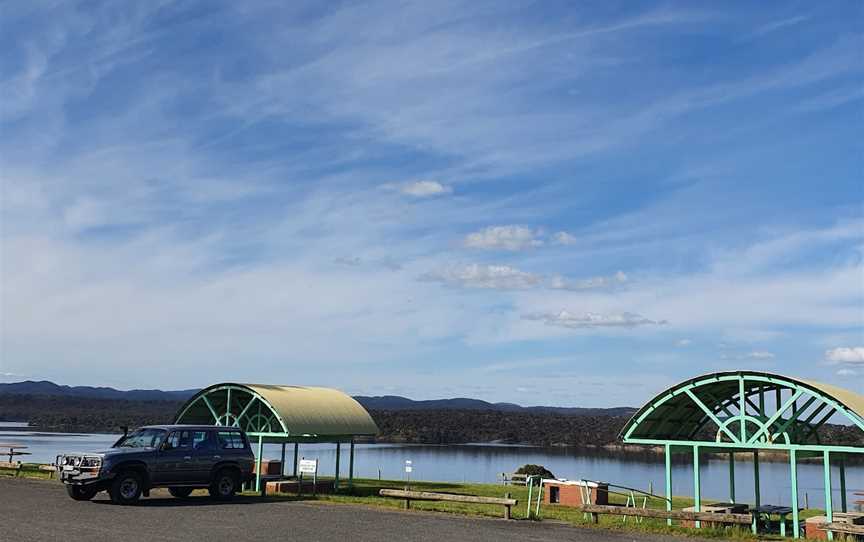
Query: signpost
{"x": 308, "y": 466}
{"x": 409, "y": 468}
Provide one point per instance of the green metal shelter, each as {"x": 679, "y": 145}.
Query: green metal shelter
{"x": 282, "y": 415}
{"x": 749, "y": 412}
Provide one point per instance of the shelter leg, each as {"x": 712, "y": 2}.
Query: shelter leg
{"x": 668, "y": 481}
{"x": 829, "y": 504}
{"x": 351, "y": 466}
{"x": 338, "y": 453}
{"x": 731, "y": 477}
{"x": 842, "y": 466}
{"x": 697, "y": 486}
{"x": 296, "y": 457}
{"x": 258, "y": 464}
{"x": 756, "y": 488}
{"x": 282, "y": 463}
{"x": 793, "y": 466}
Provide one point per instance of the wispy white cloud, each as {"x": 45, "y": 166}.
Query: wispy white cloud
{"x": 683, "y": 342}
{"x": 512, "y": 238}
{"x": 421, "y": 189}
{"x": 592, "y": 320}
{"x": 558, "y": 282}
{"x": 563, "y": 238}
{"x": 774, "y": 26}
{"x": 498, "y": 277}
{"x": 760, "y": 355}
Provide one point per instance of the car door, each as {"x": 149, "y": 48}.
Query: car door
{"x": 205, "y": 455}
{"x": 174, "y": 462}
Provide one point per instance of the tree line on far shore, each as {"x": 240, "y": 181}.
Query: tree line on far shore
{"x": 85, "y": 415}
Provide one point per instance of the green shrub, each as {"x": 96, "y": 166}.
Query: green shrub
{"x": 535, "y": 470}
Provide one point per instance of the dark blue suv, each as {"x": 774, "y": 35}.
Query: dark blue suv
{"x": 179, "y": 457}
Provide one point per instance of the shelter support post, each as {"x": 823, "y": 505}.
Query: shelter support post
{"x": 338, "y": 454}
{"x": 757, "y": 492}
{"x": 258, "y": 463}
{"x": 793, "y": 466}
{"x": 296, "y": 457}
{"x": 732, "y": 477}
{"x": 697, "y": 486}
{"x": 351, "y": 466}
{"x": 842, "y": 465}
{"x": 282, "y": 463}
{"x": 668, "y": 481}
{"x": 829, "y": 504}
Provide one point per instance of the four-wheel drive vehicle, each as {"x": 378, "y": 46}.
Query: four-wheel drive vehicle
{"x": 179, "y": 457}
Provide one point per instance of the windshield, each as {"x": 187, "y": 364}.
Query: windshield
{"x": 142, "y": 438}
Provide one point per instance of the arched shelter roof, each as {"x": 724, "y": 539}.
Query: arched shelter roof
{"x": 748, "y": 408}
{"x": 291, "y": 411}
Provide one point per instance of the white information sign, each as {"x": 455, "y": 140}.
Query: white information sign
{"x": 308, "y": 466}
{"x": 409, "y": 467}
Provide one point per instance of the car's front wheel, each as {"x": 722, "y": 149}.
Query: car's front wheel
{"x": 180, "y": 492}
{"x": 81, "y": 493}
{"x": 126, "y": 488}
{"x": 224, "y": 484}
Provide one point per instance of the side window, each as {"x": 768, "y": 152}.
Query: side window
{"x": 231, "y": 440}
{"x": 201, "y": 440}
{"x": 178, "y": 440}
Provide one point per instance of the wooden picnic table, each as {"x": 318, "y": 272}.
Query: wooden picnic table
{"x": 14, "y": 449}
{"x": 765, "y": 512}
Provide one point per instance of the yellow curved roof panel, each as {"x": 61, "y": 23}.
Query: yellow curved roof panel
{"x": 316, "y": 411}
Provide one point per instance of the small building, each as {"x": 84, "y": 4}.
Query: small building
{"x": 575, "y": 492}
{"x": 283, "y": 415}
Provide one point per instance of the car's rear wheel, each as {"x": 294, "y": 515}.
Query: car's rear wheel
{"x": 81, "y": 493}
{"x": 180, "y": 492}
{"x": 224, "y": 484}
{"x": 126, "y": 488}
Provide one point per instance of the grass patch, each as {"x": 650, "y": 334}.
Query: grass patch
{"x": 365, "y": 492}
{"x": 28, "y": 470}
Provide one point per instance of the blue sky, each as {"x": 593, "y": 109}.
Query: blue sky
{"x": 539, "y": 202}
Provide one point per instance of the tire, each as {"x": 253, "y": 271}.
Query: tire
{"x": 126, "y": 488}
{"x": 180, "y": 492}
{"x": 224, "y": 484}
{"x": 81, "y": 493}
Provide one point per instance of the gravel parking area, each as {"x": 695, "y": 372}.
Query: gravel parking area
{"x": 37, "y": 510}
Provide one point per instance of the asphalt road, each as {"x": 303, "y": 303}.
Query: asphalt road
{"x": 36, "y": 510}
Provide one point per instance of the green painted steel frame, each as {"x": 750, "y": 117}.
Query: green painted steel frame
{"x": 748, "y": 385}
{"x": 205, "y": 395}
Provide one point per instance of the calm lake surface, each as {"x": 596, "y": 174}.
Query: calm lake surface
{"x": 483, "y": 463}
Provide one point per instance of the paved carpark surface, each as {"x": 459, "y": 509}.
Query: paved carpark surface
{"x": 38, "y": 510}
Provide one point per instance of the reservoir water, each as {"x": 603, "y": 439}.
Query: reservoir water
{"x": 484, "y": 463}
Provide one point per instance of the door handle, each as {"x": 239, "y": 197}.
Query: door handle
{"x": 187, "y": 457}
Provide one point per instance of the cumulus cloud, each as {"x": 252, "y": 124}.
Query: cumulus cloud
{"x": 563, "y": 238}
{"x": 592, "y": 320}
{"x": 850, "y": 355}
{"x": 498, "y": 277}
{"x": 513, "y": 238}
{"x": 558, "y": 282}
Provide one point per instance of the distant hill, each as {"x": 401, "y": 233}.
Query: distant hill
{"x": 44, "y": 387}
{"x": 394, "y": 402}
{"x": 385, "y": 402}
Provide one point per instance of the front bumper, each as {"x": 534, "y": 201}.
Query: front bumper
{"x": 77, "y": 474}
